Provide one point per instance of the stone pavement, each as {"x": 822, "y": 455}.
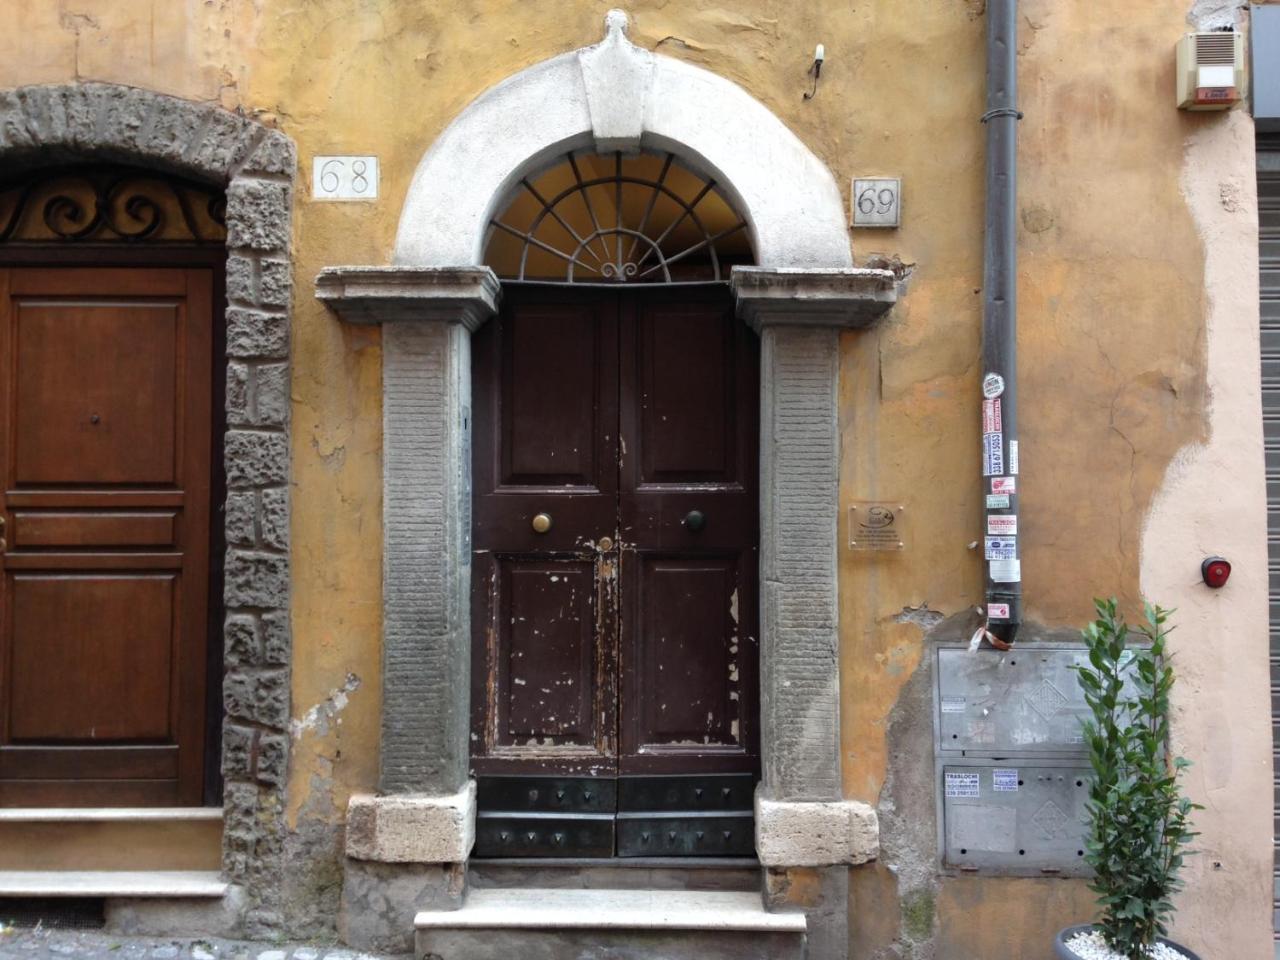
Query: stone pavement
{"x": 17, "y": 943}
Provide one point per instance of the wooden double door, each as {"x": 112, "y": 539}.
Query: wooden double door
{"x": 105, "y": 423}
{"x": 616, "y": 531}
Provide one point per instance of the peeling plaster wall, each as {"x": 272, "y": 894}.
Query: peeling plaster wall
{"x": 1136, "y": 361}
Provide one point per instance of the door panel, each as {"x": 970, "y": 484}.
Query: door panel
{"x": 621, "y": 641}
{"x": 105, "y": 441}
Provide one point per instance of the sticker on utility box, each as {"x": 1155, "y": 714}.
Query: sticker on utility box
{"x": 1004, "y": 781}
{"x": 953, "y": 704}
{"x": 1001, "y": 548}
{"x": 961, "y": 784}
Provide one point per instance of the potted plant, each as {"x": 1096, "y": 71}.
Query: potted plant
{"x": 1138, "y": 821}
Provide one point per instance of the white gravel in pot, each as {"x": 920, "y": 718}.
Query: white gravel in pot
{"x": 1091, "y": 946}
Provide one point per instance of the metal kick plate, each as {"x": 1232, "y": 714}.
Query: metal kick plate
{"x": 1023, "y": 701}
{"x": 686, "y": 835}
{"x": 544, "y": 835}
{"x": 1006, "y": 818}
{"x": 691, "y": 793}
{"x": 547, "y": 794}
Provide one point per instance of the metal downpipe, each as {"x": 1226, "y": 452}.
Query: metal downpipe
{"x": 1002, "y": 548}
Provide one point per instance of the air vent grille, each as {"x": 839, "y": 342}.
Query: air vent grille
{"x": 1215, "y": 48}
{"x": 53, "y": 913}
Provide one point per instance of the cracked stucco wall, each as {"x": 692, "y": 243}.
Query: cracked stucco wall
{"x": 1120, "y": 314}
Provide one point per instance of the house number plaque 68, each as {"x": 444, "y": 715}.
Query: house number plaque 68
{"x": 344, "y": 178}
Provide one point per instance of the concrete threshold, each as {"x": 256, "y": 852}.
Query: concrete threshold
{"x": 106, "y": 814}
{"x": 571, "y": 909}
{"x": 112, "y": 883}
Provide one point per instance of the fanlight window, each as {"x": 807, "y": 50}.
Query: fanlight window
{"x": 95, "y": 204}
{"x": 615, "y": 218}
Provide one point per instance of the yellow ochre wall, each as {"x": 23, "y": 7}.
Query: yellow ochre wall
{"x": 1138, "y": 358}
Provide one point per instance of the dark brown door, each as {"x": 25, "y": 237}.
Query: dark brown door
{"x": 104, "y": 460}
{"x": 615, "y": 550}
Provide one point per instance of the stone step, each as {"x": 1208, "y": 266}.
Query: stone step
{"x": 550, "y": 924}
{"x": 112, "y": 883}
{"x": 647, "y": 874}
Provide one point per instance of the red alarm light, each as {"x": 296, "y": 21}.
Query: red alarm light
{"x": 1215, "y": 571}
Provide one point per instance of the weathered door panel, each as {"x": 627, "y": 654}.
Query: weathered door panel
{"x": 545, "y": 392}
{"x": 689, "y": 533}
{"x": 105, "y": 465}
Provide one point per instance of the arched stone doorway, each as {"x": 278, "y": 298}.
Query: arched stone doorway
{"x": 255, "y": 166}
{"x": 801, "y": 293}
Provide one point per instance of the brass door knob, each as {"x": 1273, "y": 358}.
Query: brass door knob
{"x": 541, "y": 523}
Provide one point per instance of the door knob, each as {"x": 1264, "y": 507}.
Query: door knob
{"x": 542, "y": 523}
{"x": 694, "y": 521}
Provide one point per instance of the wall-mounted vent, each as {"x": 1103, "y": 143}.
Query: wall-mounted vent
{"x": 1210, "y": 70}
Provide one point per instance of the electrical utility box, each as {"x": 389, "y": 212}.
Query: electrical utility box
{"x": 1210, "y": 70}
{"x": 1012, "y": 770}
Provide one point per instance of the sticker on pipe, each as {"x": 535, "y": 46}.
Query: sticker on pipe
{"x": 1004, "y": 485}
{"x": 992, "y": 385}
{"x": 997, "y": 611}
{"x": 1002, "y": 524}
{"x": 1001, "y": 548}
{"x": 992, "y": 454}
{"x": 1013, "y": 456}
{"x": 991, "y": 419}
{"x": 1006, "y": 571}
{"x": 997, "y": 501}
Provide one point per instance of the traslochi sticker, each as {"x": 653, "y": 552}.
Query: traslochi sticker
{"x": 1001, "y": 548}
{"x": 1002, "y": 523}
{"x": 992, "y": 454}
{"x": 992, "y": 385}
{"x": 997, "y": 611}
{"x": 963, "y": 784}
{"x": 997, "y": 501}
{"x": 1004, "y": 781}
{"x": 1004, "y": 484}
{"x": 1013, "y": 455}
{"x": 953, "y": 704}
{"x": 991, "y": 417}
{"x": 1006, "y": 571}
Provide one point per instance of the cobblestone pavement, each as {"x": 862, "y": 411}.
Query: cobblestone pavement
{"x": 18, "y": 943}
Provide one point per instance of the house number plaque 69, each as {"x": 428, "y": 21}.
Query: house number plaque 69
{"x": 344, "y": 178}
{"x": 876, "y": 202}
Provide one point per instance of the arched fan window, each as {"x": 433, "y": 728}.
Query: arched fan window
{"x": 615, "y": 218}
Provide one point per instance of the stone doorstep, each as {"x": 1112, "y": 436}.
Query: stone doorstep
{"x": 112, "y": 883}
{"x": 107, "y": 814}
{"x": 568, "y": 909}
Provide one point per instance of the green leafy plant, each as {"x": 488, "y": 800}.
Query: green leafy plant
{"x": 1139, "y": 822}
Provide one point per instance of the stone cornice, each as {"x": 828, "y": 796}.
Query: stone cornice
{"x": 466, "y": 295}
{"x": 804, "y": 297}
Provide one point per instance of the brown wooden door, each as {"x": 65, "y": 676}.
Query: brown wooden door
{"x": 105, "y": 468}
{"x": 622, "y": 640}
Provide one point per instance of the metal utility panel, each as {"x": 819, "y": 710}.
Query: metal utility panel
{"x": 1264, "y": 39}
{"x": 1012, "y": 818}
{"x": 1025, "y": 702}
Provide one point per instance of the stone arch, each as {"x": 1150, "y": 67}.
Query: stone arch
{"x": 256, "y": 167}
{"x": 615, "y": 95}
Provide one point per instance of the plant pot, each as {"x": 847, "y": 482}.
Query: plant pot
{"x": 1062, "y": 952}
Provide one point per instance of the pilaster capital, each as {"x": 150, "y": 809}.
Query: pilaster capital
{"x": 792, "y": 833}
{"x": 465, "y": 295}
{"x": 412, "y": 828}
{"x": 839, "y": 298}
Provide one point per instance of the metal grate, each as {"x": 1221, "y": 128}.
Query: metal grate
{"x": 1269, "y": 276}
{"x": 53, "y": 913}
{"x": 618, "y": 218}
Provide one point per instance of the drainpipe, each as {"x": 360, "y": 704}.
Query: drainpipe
{"x": 1001, "y": 550}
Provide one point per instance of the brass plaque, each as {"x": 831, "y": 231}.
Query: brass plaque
{"x": 877, "y": 525}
